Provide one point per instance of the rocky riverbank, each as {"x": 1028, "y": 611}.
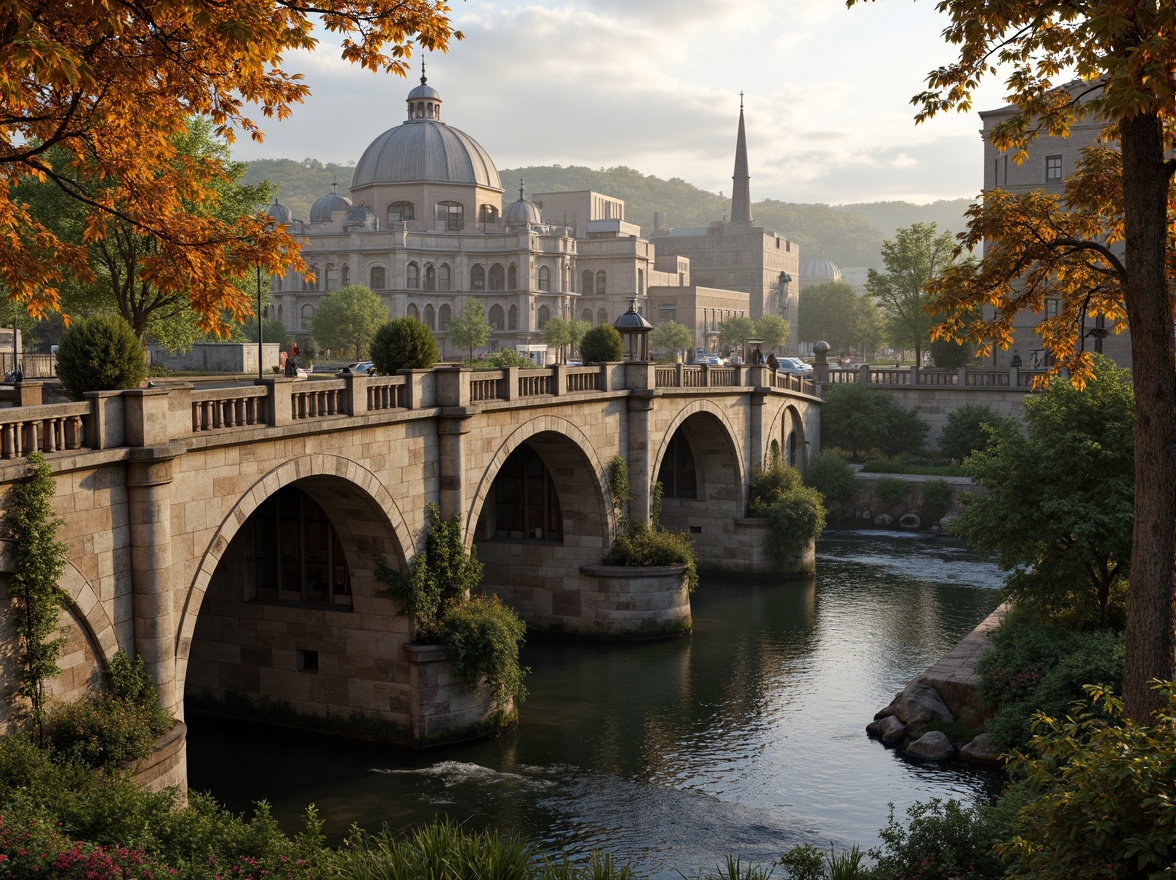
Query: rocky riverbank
{"x": 944, "y": 694}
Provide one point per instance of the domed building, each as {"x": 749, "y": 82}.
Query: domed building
{"x": 819, "y": 270}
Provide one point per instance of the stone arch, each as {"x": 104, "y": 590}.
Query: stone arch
{"x": 720, "y": 498}
{"x": 497, "y": 318}
{"x": 787, "y": 429}
{"x": 320, "y": 476}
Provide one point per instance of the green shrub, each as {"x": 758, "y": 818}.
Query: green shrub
{"x": 640, "y": 546}
{"x": 858, "y": 418}
{"x": 618, "y": 484}
{"x": 941, "y": 839}
{"x": 1097, "y": 797}
{"x": 968, "y": 430}
{"x": 830, "y": 475}
{"x": 793, "y": 523}
{"x": 602, "y": 344}
{"x": 100, "y": 354}
{"x": 403, "y": 344}
{"x": 771, "y": 484}
{"x": 506, "y": 357}
{"x": 1036, "y": 666}
{"x": 483, "y": 638}
{"x": 936, "y": 498}
{"x": 891, "y": 491}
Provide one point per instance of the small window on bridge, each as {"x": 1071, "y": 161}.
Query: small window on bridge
{"x": 677, "y": 474}
{"x": 525, "y": 501}
{"x": 297, "y": 554}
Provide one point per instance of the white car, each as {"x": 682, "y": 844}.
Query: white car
{"x": 795, "y": 366}
{"x": 362, "y": 367}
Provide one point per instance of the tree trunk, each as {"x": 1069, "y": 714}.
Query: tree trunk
{"x": 1149, "y": 311}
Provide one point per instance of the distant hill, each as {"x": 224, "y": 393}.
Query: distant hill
{"x": 849, "y": 235}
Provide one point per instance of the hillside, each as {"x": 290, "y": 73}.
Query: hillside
{"x": 849, "y": 235}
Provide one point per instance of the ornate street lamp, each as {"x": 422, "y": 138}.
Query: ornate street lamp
{"x": 634, "y": 331}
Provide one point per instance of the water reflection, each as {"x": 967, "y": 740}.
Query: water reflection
{"x": 748, "y": 736}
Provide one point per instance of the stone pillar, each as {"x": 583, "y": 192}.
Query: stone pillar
{"x": 452, "y": 426}
{"x": 149, "y": 477}
{"x": 821, "y": 361}
{"x": 29, "y": 392}
{"x": 355, "y": 392}
{"x": 755, "y": 429}
{"x": 277, "y": 392}
{"x": 637, "y": 455}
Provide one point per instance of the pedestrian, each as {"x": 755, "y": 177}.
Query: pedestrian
{"x": 773, "y": 362}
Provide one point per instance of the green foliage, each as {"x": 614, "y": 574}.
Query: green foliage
{"x": 469, "y": 328}
{"x": 299, "y": 184}
{"x": 941, "y": 839}
{"x": 947, "y": 354}
{"x": 1036, "y": 666}
{"x": 100, "y": 354}
{"x": 735, "y": 331}
{"x": 601, "y": 345}
{"x": 37, "y": 559}
{"x": 734, "y": 869}
{"x": 483, "y": 637}
{"x": 670, "y": 337}
{"x": 936, "y": 496}
{"x": 891, "y": 491}
{"x": 803, "y": 862}
{"x": 440, "y": 577}
{"x": 1058, "y": 504}
{"x": 638, "y": 545}
{"x": 773, "y": 330}
{"x": 905, "y": 465}
{"x": 836, "y": 313}
{"x": 859, "y": 418}
{"x": 1097, "y": 796}
{"x": 506, "y": 357}
{"x": 404, "y": 344}
{"x": 656, "y": 493}
{"x": 969, "y": 429}
{"x": 618, "y": 484}
{"x": 795, "y": 512}
{"x": 347, "y": 319}
{"x": 830, "y": 475}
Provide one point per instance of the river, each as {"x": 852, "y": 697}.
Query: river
{"x": 747, "y": 737}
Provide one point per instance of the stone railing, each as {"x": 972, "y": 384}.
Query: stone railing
{"x": 158, "y": 415}
{"x": 909, "y": 377}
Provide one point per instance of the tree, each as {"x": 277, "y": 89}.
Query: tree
{"x": 403, "y": 344}
{"x": 826, "y": 311}
{"x": 578, "y": 329}
{"x": 773, "y": 330}
{"x": 735, "y": 331}
{"x": 348, "y": 318}
{"x": 915, "y": 256}
{"x": 858, "y": 418}
{"x": 1123, "y": 54}
{"x": 469, "y": 328}
{"x": 38, "y": 560}
{"x": 100, "y": 354}
{"x": 557, "y": 333}
{"x": 110, "y": 88}
{"x": 1057, "y": 505}
{"x": 671, "y": 337}
{"x": 967, "y": 430}
{"x": 602, "y": 344}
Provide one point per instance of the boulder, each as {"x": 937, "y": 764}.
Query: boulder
{"x": 883, "y": 520}
{"x": 909, "y": 521}
{"x": 920, "y": 705}
{"x": 884, "y": 713}
{"x": 980, "y": 751}
{"x": 893, "y": 731}
{"x": 931, "y": 746}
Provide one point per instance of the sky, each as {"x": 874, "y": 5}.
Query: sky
{"x": 655, "y": 85}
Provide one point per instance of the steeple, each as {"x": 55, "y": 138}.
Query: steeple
{"x": 741, "y": 193}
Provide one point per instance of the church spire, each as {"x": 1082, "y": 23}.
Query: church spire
{"x": 741, "y": 193}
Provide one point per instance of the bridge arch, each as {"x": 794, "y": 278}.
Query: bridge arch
{"x": 368, "y": 524}
{"x": 787, "y": 429}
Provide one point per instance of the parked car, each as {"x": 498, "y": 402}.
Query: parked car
{"x": 795, "y": 366}
{"x": 362, "y": 367}
{"x": 713, "y": 359}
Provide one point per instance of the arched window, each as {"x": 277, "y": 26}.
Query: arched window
{"x": 602, "y": 317}
{"x": 443, "y": 316}
{"x": 677, "y": 473}
{"x": 477, "y": 277}
{"x": 487, "y": 214}
{"x": 512, "y": 277}
{"x": 420, "y": 110}
{"x": 298, "y": 555}
{"x": 586, "y": 282}
{"x": 443, "y": 280}
{"x": 512, "y": 318}
{"x": 496, "y": 317}
{"x": 398, "y": 212}
{"x": 640, "y": 281}
{"x": 430, "y": 277}
{"x": 345, "y": 275}
{"x": 413, "y": 312}
{"x": 544, "y": 278}
{"x": 413, "y": 277}
{"x": 601, "y": 285}
{"x": 450, "y": 216}
{"x": 586, "y": 315}
{"x": 497, "y": 277}
{"x": 377, "y": 277}
{"x": 430, "y": 317}
{"x": 526, "y": 504}
{"x": 307, "y": 314}
{"x": 544, "y": 316}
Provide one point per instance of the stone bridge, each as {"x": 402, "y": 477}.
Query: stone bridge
{"x": 229, "y": 536}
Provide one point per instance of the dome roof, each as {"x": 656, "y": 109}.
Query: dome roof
{"x": 632, "y": 320}
{"x": 522, "y": 212}
{"x": 423, "y": 148}
{"x": 325, "y": 206}
{"x": 361, "y": 217}
{"x": 279, "y": 212}
{"x": 821, "y": 267}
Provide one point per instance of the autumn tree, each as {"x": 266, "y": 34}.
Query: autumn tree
{"x": 917, "y": 255}
{"x": 109, "y": 89}
{"x": 1040, "y": 247}
{"x": 348, "y": 319}
{"x": 469, "y": 328}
